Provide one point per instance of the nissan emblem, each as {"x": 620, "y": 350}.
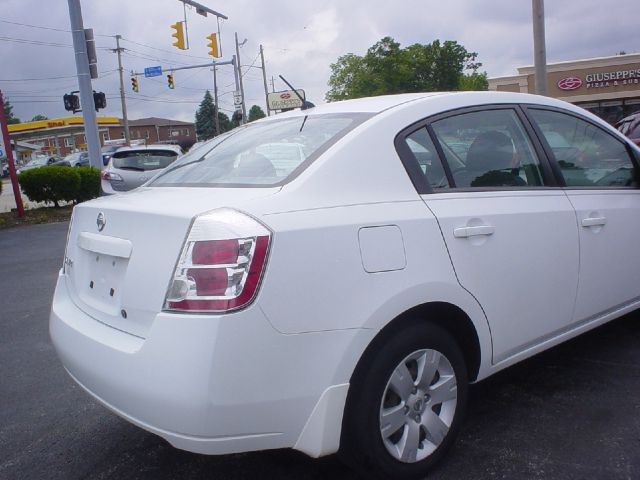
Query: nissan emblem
{"x": 101, "y": 222}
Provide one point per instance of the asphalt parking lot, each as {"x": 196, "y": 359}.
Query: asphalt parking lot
{"x": 570, "y": 413}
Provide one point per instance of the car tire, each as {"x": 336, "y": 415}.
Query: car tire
{"x": 399, "y": 426}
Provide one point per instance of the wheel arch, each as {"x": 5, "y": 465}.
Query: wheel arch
{"x": 445, "y": 315}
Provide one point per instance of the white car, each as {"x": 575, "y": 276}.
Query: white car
{"x": 130, "y": 167}
{"x": 345, "y": 302}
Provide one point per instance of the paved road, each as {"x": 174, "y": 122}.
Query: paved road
{"x": 572, "y": 413}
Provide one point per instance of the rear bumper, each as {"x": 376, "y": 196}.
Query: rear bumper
{"x": 209, "y": 384}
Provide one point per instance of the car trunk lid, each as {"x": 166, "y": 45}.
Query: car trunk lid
{"x": 122, "y": 249}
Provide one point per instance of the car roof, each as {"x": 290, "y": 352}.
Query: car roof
{"x": 138, "y": 148}
{"x": 376, "y": 105}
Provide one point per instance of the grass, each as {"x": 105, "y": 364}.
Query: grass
{"x": 35, "y": 216}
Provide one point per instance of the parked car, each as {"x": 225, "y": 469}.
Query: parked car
{"x": 38, "y": 162}
{"x": 630, "y": 126}
{"x": 344, "y": 302}
{"x": 77, "y": 159}
{"x": 107, "y": 153}
{"x": 130, "y": 167}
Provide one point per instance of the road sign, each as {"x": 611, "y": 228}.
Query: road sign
{"x": 285, "y": 99}
{"x": 153, "y": 71}
{"x": 237, "y": 98}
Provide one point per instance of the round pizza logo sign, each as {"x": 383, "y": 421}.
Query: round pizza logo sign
{"x": 569, "y": 83}
{"x": 285, "y": 96}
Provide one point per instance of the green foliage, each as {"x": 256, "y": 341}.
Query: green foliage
{"x": 225, "y": 122}
{"x": 387, "y": 68}
{"x": 8, "y": 111}
{"x": 475, "y": 81}
{"x": 50, "y": 184}
{"x": 39, "y": 117}
{"x": 89, "y": 183}
{"x": 255, "y": 112}
{"x": 205, "y": 125}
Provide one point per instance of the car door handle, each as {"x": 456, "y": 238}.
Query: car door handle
{"x": 593, "y": 221}
{"x": 466, "y": 232}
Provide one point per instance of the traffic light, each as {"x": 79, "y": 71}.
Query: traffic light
{"x": 179, "y": 35}
{"x": 134, "y": 84}
{"x": 99, "y": 100}
{"x": 213, "y": 45}
{"x": 71, "y": 102}
{"x": 170, "y": 81}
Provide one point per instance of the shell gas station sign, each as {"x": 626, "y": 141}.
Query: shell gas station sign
{"x": 56, "y": 123}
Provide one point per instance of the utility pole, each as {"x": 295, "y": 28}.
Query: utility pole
{"x": 216, "y": 120}
{"x": 5, "y": 143}
{"x": 125, "y": 120}
{"x": 539, "y": 47}
{"x": 264, "y": 78}
{"x": 244, "y": 108}
{"x": 84, "y": 83}
{"x": 236, "y": 76}
{"x": 273, "y": 84}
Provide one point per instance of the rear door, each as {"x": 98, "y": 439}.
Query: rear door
{"x": 601, "y": 183}
{"x": 512, "y": 236}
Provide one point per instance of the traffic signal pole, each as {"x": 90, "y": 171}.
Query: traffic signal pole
{"x": 84, "y": 83}
{"x": 125, "y": 119}
{"x": 12, "y": 165}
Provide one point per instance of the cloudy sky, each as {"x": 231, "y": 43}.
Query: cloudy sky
{"x": 301, "y": 40}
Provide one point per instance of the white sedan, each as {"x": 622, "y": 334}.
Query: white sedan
{"x": 344, "y": 301}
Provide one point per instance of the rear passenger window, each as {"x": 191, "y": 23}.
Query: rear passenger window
{"x": 425, "y": 155}
{"x": 587, "y": 155}
{"x": 488, "y": 149}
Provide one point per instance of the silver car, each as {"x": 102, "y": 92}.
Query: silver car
{"x": 130, "y": 167}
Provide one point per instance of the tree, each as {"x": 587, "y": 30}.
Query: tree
{"x": 39, "y": 117}
{"x": 255, "y": 112}
{"x": 225, "y": 122}
{"x": 205, "y": 126}
{"x": 387, "y": 68}
{"x": 8, "y": 111}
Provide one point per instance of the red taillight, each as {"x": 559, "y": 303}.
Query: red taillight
{"x": 219, "y": 275}
{"x": 209, "y": 281}
{"x": 215, "y": 252}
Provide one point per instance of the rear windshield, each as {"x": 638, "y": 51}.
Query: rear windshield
{"x": 142, "y": 160}
{"x": 259, "y": 155}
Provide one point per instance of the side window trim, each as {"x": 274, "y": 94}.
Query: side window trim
{"x": 443, "y": 157}
{"x": 633, "y": 157}
{"x": 408, "y": 160}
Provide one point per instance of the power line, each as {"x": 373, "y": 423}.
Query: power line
{"x": 34, "y": 42}
{"x": 35, "y": 26}
{"x": 104, "y": 74}
{"x": 163, "y": 50}
{"x": 41, "y": 27}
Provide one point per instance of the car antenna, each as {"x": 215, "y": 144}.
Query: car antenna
{"x": 305, "y": 103}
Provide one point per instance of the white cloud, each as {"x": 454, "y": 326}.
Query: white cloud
{"x": 301, "y": 40}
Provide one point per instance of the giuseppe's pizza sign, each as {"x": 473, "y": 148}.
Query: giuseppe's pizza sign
{"x": 601, "y": 80}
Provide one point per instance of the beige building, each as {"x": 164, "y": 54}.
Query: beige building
{"x": 607, "y": 86}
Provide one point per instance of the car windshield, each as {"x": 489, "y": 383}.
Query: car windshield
{"x": 142, "y": 160}
{"x": 263, "y": 154}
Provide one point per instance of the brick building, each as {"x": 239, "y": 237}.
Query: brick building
{"x": 62, "y": 136}
{"x": 156, "y": 130}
